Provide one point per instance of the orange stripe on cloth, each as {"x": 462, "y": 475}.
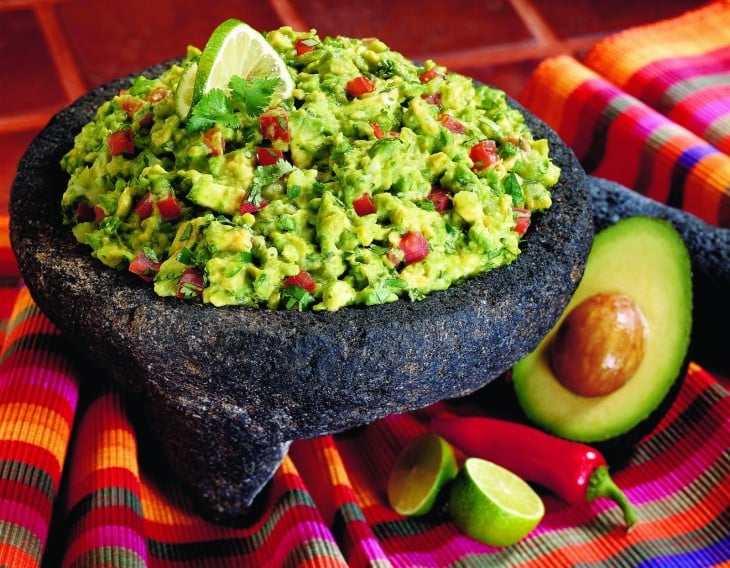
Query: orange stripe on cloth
{"x": 695, "y": 32}
{"x": 104, "y": 487}
{"x": 617, "y": 137}
{"x": 39, "y": 393}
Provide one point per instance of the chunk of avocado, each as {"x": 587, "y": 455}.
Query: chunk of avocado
{"x": 644, "y": 262}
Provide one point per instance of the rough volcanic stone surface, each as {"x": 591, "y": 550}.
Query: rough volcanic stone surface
{"x": 227, "y": 389}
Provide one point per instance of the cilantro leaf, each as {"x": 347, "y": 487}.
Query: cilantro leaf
{"x": 264, "y": 176}
{"x": 254, "y": 95}
{"x": 296, "y": 297}
{"x": 213, "y": 108}
{"x": 512, "y": 187}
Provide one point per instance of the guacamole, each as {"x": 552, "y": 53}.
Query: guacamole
{"x": 378, "y": 179}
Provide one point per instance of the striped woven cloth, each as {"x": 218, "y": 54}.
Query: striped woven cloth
{"x": 81, "y": 483}
{"x": 650, "y": 108}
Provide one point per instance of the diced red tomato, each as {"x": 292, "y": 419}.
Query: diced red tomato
{"x": 303, "y": 279}
{"x": 359, "y": 86}
{"x": 377, "y": 131}
{"x": 274, "y": 125}
{"x": 522, "y": 220}
{"x": 84, "y": 212}
{"x": 144, "y": 206}
{"x": 121, "y": 142}
{"x": 432, "y": 99}
{"x": 157, "y": 94}
{"x": 191, "y": 283}
{"x": 451, "y": 123}
{"x": 483, "y": 154}
{"x": 143, "y": 267}
{"x": 130, "y": 104}
{"x": 250, "y": 207}
{"x": 305, "y": 45}
{"x": 364, "y": 205}
{"x": 169, "y": 208}
{"x": 99, "y": 213}
{"x": 414, "y": 246}
{"x": 429, "y": 75}
{"x": 441, "y": 199}
{"x": 268, "y": 156}
{"x": 213, "y": 139}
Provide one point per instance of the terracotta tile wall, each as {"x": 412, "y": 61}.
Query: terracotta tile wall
{"x": 53, "y": 51}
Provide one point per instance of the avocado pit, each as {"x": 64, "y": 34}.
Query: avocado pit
{"x": 599, "y": 345}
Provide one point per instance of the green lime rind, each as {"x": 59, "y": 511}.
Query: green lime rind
{"x": 493, "y": 505}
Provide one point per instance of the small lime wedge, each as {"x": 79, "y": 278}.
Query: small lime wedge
{"x": 235, "y": 48}
{"x": 184, "y": 90}
{"x": 419, "y": 473}
{"x": 493, "y": 505}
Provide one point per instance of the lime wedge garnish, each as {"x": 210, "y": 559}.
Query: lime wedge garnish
{"x": 493, "y": 505}
{"x": 235, "y": 48}
{"x": 184, "y": 90}
{"x": 419, "y": 473}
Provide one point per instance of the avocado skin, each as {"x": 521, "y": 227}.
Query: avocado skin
{"x": 709, "y": 250}
{"x": 225, "y": 390}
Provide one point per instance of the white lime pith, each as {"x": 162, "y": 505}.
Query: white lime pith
{"x": 235, "y": 48}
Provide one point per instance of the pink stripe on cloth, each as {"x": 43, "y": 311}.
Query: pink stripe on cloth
{"x": 97, "y": 541}
{"x": 40, "y": 395}
{"x": 25, "y": 518}
{"x": 651, "y": 83}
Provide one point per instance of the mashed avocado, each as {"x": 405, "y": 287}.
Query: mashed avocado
{"x": 377, "y": 179}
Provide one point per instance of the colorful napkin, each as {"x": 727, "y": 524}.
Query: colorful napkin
{"x": 650, "y": 108}
{"x": 82, "y": 483}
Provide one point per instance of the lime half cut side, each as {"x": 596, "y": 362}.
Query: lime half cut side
{"x": 235, "y": 48}
{"x": 420, "y": 471}
{"x": 493, "y": 505}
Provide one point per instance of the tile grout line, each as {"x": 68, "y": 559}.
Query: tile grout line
{"x": 512, "y": 53}
{"x": 535, "y": 23}
{"x": 67, "y": 68}
{"x": 289, "y": 15}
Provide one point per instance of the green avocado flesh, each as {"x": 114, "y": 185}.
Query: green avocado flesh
{"x": 332, "y": 197}
{"x": 646, "y": 259}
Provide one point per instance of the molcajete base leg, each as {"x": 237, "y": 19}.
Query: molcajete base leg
{"x": 221, "y": 462}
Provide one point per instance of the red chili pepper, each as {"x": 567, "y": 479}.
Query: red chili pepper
{"x": 574, "y": 471}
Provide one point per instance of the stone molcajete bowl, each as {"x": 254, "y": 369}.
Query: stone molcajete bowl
{"x": 225, "y": 390}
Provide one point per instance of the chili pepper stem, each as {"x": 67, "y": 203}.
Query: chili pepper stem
{"x": 601, "y": 485}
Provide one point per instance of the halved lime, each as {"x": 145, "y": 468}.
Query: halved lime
{"x": 184, "y": 90}
{"x": 235, "y": 48}
{"x": 419, "y": 473}
{"x": 493, "y": 505}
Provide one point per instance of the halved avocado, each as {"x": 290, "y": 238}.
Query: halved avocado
{"x": 644, "y": 261}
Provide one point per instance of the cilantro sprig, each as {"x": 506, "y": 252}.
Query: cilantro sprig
{"x": 247, "y": 97}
